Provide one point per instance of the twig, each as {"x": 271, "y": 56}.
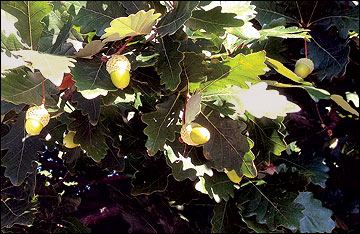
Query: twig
{"x": 58, "y": 184}
{"x": 123, "y": 47}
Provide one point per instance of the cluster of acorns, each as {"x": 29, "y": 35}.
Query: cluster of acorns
{"x": 118, "y": 66}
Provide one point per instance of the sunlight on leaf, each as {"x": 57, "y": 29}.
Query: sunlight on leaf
{"x": 135, "y": 24}
{"x": 51, "y": 67}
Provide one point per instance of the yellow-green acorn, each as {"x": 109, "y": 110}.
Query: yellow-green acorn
{"x": 304, "y": 67}
{"x": 37, "y": 117}
{"x": 118, "y": 66}
{"x": 68, "y": 140}
{"x": 194, "y": 134}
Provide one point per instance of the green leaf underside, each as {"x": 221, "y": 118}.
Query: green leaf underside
{"x": 20, "y": 87}
{"x": 317, "y": 219}
{"x": 20, "y": 155}
{"x": 162, "y": 124}
{"x": 29, "y": 15}
{"x": 173, "y": 20}
{"x": 168, "y": 65}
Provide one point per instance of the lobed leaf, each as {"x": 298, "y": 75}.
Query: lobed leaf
{"x": 21, "y": 154}
{"x": 162, "y": 124}
{"x": 168, "y": 65}
{"x": 29, "y": 15}
{"x": 175, "y": 19}
{"x": 135, "y": 24}
{"x": 213, "y": 21}
{"x": 317, "y": 219}
{"x": 20, "y": 87}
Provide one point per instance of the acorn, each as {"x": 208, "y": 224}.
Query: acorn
{"x": 118, "y": 66}
{"x": 37, "y": 117}
{"x": 68, "y": 140}
{"x": 304, "y": 67}
{"x": 194, "y": 134}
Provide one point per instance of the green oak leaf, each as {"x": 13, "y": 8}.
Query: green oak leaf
{"x": 194, "y": 70}
{"x": 20, "y": 86}
{"x": 344, "y": 20}
{"x": 219, "y": 187}
{"x": 268, "y": 135}
{"x": 91, "y": 75}
{"x": 8, "y": 106}
{"x": 227, "y": 145}
{"x": 91, "y": 138}
{"x": 178, "y": 157}
{"x": 90, "y": 107}
{"x": 270, "y": 10}
{"x": 93, "y": 17}
{"x": 329, "y": 53}
{"x": 213, "y": 21}
{"x": 150, "y": 179}
{"x": 168, "y": 65}
{"x": 311, "y": 166}
{"x": 20, "y": 157}
{"x": 29, "y": 15}
{"x": 243, "y": 68}
{"x": 10, "y": 43}
{"x": 317, "y": 219}
{"x": 17, "y": 211}
{"x": 132, "y": 7}
{"x": 315, "y": 93}
{"x": 226, "y": 218}
{"x": 271, "y": 206}
{"x": 162, "y": 124}
{"x": 175, "y": 19}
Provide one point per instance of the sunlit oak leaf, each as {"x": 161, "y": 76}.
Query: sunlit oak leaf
{"x": 51, "y": 67}
{"x": 10, "y": 62}
{"x": 135, "y": 24}
{"x": 261, "y": 102}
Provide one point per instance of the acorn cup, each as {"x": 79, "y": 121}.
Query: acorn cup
{"x": 194, "y": 134}
{"x": 37, "y": 117}
{"x": 304, "y": 67}
{"x": 118, "y": 66}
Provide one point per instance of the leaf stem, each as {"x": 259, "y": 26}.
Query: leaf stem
{"x": 306, "y": 54}
{"x": 123, "y": 47}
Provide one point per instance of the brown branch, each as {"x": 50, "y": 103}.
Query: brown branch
{"x": 101, "y": 214}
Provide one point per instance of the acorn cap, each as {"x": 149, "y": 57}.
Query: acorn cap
{"x": 307, "y": 62}
{"x": 38, "y": 113}
{"x": 117, "y": 62}
{"x": 185, "y": 132}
